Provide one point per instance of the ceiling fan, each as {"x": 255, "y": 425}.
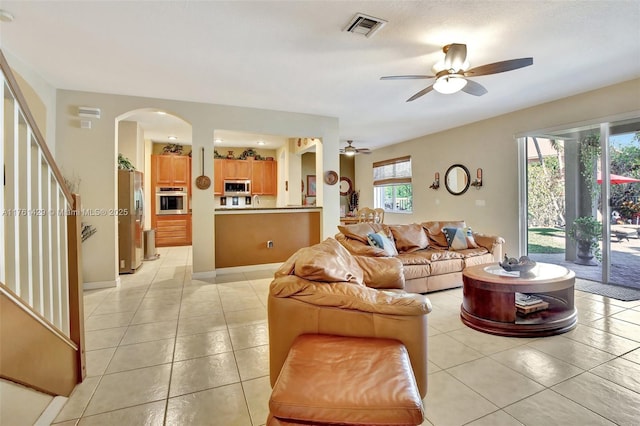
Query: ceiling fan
{"x": 352, "y": 150}
{"x": 451, "y": 74}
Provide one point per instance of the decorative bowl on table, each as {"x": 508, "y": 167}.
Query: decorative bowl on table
{"x": 511, "y": 264}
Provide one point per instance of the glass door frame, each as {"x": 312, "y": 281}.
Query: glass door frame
{"x": 604, "y": 125}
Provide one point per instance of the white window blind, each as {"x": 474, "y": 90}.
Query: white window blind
{"x": 392, "y": 172}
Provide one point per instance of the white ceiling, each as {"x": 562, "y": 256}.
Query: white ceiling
{"x": 294, "y": 56}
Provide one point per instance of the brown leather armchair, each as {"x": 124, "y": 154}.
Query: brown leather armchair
{"x": 324, "y": 289}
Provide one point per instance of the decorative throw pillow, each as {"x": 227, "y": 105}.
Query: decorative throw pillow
{"x": 409, "y": 238}
{"x": 357, "y": 231}
{"x": 459, "y": 238}
{"x": 380, "y": 240}
{"x": 435, "y": 234}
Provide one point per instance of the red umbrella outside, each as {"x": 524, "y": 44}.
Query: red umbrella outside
{"x": 617, "y": 179}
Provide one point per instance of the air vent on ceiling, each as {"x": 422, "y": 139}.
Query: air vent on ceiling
{"x": 364, "y": 24}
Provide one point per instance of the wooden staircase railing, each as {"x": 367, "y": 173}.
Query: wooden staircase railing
{"x": 41, "y": 305}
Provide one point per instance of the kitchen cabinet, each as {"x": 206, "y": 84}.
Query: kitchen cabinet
{"x": 264, "y": 177}
{"x": 262, "y": 174}
{"x": 170, "y": 170}
{"x": 173, "y": 230}
{"x": 218, "y": 176}
{"x": 237, "y": 169}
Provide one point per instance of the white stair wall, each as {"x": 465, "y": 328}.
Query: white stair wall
{"x": 21, "y": 406}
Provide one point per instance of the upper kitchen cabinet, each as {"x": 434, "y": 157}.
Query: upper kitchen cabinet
{"x": 218, "y": 176}
{"x": 237, "y": 169}
{"x": 171, "y": 170}
{"x": 264, "y": 178}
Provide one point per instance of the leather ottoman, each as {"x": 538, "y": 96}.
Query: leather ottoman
{"x": 345, "y": 380}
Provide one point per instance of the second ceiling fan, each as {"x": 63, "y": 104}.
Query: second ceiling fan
{"x": 451, "y": 75}
{"x": 352, "y": 150}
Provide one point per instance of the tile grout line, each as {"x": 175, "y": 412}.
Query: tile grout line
{"x": 235, "y": 358}
{"x": 173, "y": 353}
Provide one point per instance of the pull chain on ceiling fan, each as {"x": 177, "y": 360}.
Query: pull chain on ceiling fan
{"x": 452, "y": 73}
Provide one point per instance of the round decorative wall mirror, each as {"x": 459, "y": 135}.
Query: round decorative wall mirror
{"x": 346, "y": 186}
{"x": 457, "y": 179}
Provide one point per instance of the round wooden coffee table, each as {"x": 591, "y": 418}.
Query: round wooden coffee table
{"x": 488, "y": 303}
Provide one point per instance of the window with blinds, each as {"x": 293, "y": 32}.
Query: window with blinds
{"x": 392, "y": 185}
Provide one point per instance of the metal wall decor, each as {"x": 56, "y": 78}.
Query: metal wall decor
{"x": 436, "y": 181}
{"x": 478, "y": 182}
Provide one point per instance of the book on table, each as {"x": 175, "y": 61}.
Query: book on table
{"x": 527, "y": 299}
{"x": 528, "y": 303}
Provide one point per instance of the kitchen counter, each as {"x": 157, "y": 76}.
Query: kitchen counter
{"x": 263, "y": 235}
{"x": 244, "y": 210}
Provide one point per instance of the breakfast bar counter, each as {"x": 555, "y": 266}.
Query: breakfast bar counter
{"x": 263, "y": 235}
{"x": 245, "y": 210}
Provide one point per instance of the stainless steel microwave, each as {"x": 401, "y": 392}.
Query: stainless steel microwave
{"x": 172, "y": 201}
{"x": 237, "y": 187}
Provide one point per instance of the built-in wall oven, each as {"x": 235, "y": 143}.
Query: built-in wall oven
{"x": 173, "y": 200}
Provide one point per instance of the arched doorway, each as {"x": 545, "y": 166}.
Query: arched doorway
{"x": 140, "y": 134}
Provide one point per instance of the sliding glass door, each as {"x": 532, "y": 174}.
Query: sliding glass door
{"x": 582, "y": 199}
{"x": 624, "y": 202}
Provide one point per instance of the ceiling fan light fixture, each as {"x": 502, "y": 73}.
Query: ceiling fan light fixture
{"x": 440, "y": 66}
{"x": 451, "y": 83}
{"x": 350, "y": 151}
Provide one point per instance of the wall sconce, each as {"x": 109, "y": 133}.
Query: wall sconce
{"x": 478, "y": 182}
{"x": 436, "y": 182}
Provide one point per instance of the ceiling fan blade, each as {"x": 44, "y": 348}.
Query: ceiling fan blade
{"x": 498, "y": 67}
{"x": 420, "y": 93}
{"x": 363, "y": 150}
{"x": 473, "y": 88}
{"x": 455, "y": 55}
{"x": 406, "y": 77}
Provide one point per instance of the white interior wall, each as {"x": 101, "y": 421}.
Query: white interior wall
{"x": 46, "y": 94}
{"x": 492, "y": 145}
{"x": 140, "y": 146}
{"x": 294, "y": 175}
{"x": 128, "y": 142}
{"x": 148, "y": 196}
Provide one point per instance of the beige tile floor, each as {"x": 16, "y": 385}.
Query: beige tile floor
{"x": 164, "y": 348}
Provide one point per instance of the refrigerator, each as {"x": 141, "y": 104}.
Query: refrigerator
{"x": 130, "y": 220}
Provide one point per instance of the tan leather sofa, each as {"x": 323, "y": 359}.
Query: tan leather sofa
{"x": 429, "y": 264}
{"x": 323, "y": 289}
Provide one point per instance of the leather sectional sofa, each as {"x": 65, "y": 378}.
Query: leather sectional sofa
{"x": 429, "y": 262}
{"x": 323, "y": 289}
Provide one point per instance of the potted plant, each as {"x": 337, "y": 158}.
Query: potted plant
{"x": 586, "y": 232}
{"x": 124, "y": 163}
{"x": 172, "y": 148}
